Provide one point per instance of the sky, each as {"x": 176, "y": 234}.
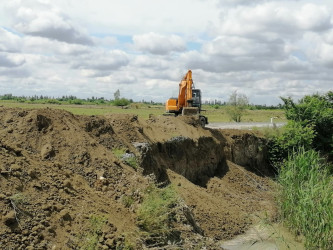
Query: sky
{"x": 261, "y": 48}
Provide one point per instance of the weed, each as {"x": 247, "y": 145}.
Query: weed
{"x": 128, "y": 158}
{"x": 96, "y": 224}
{"x": 306, "y": 198}
{"x": 156, "y": 212}
{"x": 131, "y": 161}
{"x": 119, "y": 152}
{"x": 17, "y": 201}
{"x": 127, "y": 241}
{"x": 127, "y": 200}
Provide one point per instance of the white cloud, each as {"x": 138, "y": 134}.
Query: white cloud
{"x": 100, "y": 63}
{"x": 313, "y": 17}
{"x": 273, "y": 19}
{"x": 41, "y": 45}
{"x": 237, "y": 46}
{"x": 44, "y": 20}
{"x": 9, "y": 42}
{"x": 159, "y": 44}
{"x": 10, "y": 60}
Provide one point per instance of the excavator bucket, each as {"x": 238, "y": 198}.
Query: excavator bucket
{"x": 190, "y": 111}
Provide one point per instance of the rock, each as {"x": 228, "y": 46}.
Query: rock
{"x": 47, "y": 151}
{"x": 109, "y": 236}
{"x": 33, "y": 173}
{"x": 68, "y": 184}
{"x": 37, "y": 185}
{"x": 10, "y": 218}
{"x": 64, "y": 214}
{"x": 15, "y": 167}
{"x": 2, "y": 197}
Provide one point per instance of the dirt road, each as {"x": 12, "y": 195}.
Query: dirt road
{"x": 243, "y": 125}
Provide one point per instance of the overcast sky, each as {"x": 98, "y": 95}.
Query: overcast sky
{"x": 261, "y": 48}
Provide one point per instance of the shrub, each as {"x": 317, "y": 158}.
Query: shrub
{"x": 293, "y": 137}
{"x": 121, "y": 102}
{"x": 306, "y": 198}
{"x": 53, "y": 101}
{"x": 314, "y": 111}
{"x": 76, "y": 101}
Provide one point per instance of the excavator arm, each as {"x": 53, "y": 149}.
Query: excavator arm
{"x": 185, "y": 91}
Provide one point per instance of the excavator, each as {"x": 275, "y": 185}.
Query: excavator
{"x": 188, "y": 101}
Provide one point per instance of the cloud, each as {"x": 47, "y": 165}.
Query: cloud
{"x": 262, "y": 48}
{"x": 159, "y": 44}
{"x": 9, "y": 42}
{"x": 44, "y": 20}
{"x": 98, "y": 64}
{"x": 10, "y": 60}
{"x": 273, "y": 19}
{"x": 42, "y": 45}
{"x": 236, "y": 46}
{"x": 313, "y": 17}
{"x": 292, "y": 64}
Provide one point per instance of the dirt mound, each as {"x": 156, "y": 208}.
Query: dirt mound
{"x": 63, "y": 184}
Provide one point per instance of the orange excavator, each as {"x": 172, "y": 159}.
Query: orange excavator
{"x": 188, "y": 101}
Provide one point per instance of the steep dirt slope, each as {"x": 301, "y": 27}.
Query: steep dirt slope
{"x": 60, "y": 178}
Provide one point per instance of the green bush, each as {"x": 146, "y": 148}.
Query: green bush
{"x": 294, "y": 136}
{"x": 314, "y": 111}
{"x": 76, "y": 101}
{"x": 306, "y": 198}
{"x": 52, "y": 101}
{"x": 121, "y": 102}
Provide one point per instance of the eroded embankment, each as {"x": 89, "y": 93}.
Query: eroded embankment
{"x": 199, "y": 159}
{"x": 58, "y": 170}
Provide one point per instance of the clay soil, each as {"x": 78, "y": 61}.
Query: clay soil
{"x": 62, "y": 184}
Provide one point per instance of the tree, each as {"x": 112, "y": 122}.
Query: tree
{"x": 236, "y": 106}
{"x": 116, "y": 95}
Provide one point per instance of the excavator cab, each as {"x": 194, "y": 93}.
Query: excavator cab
{"x": 196, "y": 98}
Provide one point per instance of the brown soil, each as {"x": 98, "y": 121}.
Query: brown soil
{"x": 59, "y": 175}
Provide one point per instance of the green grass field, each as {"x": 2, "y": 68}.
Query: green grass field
{"x": 144, "y": 110}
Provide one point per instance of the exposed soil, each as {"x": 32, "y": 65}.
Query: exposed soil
{"x": 59, "y": 174}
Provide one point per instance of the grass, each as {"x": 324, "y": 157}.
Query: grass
{"x": 95, "y": 226}
{"x": 306, "y": 198}
{"x": 127, "y": 200}
{"x": 18, "y": 199}
{"x": 129, "y": 159}
{"x": 155, "y": 213}
{"x": 145, "y": 110}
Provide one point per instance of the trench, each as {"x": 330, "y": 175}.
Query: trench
{"x": 204, "y": 158}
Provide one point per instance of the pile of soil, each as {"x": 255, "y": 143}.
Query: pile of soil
{"x": 60, "y": 178}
